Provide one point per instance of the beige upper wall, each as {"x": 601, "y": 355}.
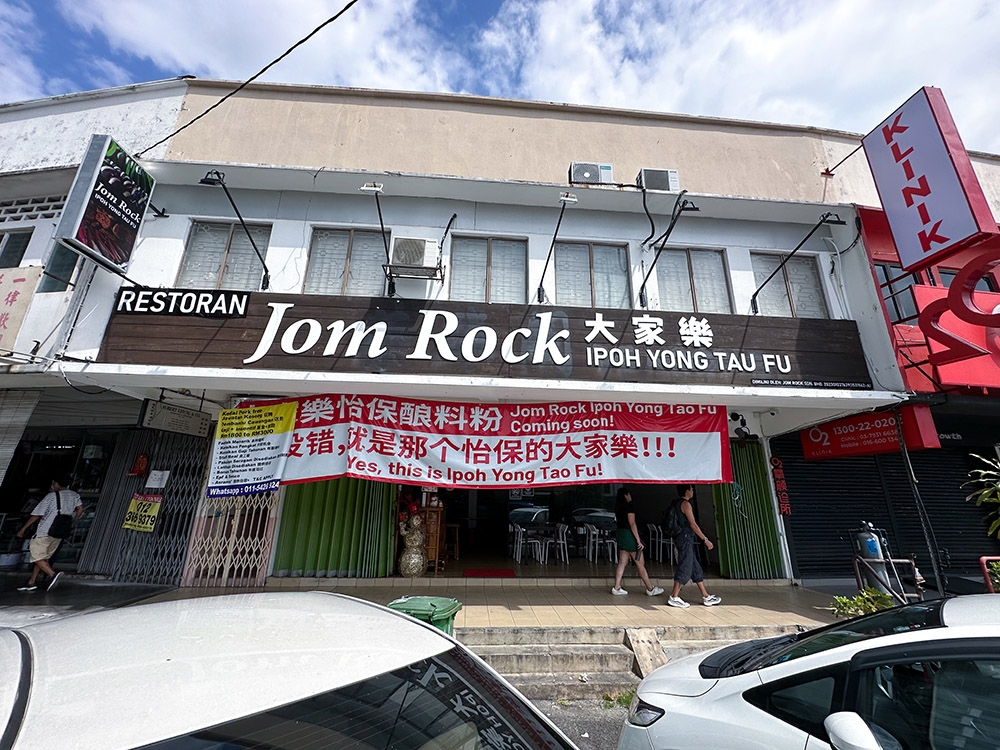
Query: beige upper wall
{"x": 501, "y": 139}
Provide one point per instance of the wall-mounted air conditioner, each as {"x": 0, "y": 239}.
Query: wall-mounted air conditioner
{"x": 590, "y": 173}
{"x": 659, "y": 179}
{"x": 414, "y": 257}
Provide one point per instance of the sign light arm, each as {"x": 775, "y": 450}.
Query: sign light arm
{"x": 681, "y": 205}
{"x": 375, "y": 188}
{"x": 565, "y": 199}
{"x": 215, "y": 177}
{"x": 827, "y": 218}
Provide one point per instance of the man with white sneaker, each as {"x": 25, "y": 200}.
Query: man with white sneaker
{"x": 629, "y": 545}
{"x": 684, "y": 530}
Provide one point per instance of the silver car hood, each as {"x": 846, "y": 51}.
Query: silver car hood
{"x": 680, "y": 677}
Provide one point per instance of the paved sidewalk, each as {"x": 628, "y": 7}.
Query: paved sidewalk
{"x": 573, "y": 602}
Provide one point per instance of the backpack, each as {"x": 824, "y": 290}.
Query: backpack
{"x": 62, "y": 524}
{"x": 674, "y": 522}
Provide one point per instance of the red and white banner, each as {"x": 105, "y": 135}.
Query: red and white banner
{"x": 448, "y": 444}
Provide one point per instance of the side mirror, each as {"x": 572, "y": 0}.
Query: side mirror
{"x": 848, "y": 731}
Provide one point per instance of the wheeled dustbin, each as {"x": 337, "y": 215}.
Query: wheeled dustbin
{"x": 439, "y": 611}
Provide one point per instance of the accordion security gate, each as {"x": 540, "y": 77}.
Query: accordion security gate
{"x": 231, "y": 541}
{"x": 147, "y": 557}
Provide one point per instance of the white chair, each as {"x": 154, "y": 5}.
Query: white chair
{"x": 592, "y": 542}
{"x": 611, "y": 548}
{"x": 655, "y": 542}
{"x": 521, "y": 541}
{"x": 562, "y": 543}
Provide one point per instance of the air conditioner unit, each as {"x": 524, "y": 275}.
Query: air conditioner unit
{"x": 415, "y": 257}
{"x": 590, "y": 173}
{"x": 667, "y": 180}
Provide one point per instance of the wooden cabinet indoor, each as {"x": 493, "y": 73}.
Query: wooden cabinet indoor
{"x": 434, "y": 528}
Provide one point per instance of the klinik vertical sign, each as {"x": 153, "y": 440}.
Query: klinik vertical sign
{"x": 925, "y": 180}
{"x": 106, "y": 205}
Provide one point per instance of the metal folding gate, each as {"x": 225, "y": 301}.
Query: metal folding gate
{"x": 147, "y": 557}
{"x": 231, "y": 541}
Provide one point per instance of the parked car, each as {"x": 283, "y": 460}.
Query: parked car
{"x": 596, "y": 516}
{"x": 923, "y": 675}
{"x": 531, "y": 514}
{"x": 278, "y": 670}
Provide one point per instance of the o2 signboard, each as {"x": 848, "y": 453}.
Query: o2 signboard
{"x": 868, "y": 434}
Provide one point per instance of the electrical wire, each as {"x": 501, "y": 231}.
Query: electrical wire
{"x": 254, "y": 77}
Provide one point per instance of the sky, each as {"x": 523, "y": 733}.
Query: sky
{"x": 839, "y": 64}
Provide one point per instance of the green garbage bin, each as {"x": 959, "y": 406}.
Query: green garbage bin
{"x": 439, "y": 611}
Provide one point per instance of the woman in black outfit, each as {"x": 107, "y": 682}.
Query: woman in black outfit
{"x": 629, "y": 545}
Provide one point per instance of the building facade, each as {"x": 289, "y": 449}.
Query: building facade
{"x": 424, "y": 247}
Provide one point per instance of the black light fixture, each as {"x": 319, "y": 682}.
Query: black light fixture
{"x": 742, "y": 431}
{"x": 215, "y": 178}
{"x": 681, "y": 205}
{"x": 565, "y": 199}
{"x": 375, "y": 188}
{"x": 828, "y": 218}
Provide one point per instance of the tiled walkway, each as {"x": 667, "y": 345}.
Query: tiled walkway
{"x": 569, "y": 602}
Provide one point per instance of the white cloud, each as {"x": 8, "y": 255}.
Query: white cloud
{"x": 374, "y": 44}
{"x": 842, "y": 64}
{"x": 20, "y": 79}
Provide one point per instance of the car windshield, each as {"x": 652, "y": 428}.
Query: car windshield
{"x": 446, "y": 701}
{"x": 898, "y": 620}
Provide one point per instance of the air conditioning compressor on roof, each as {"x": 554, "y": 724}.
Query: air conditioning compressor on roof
{"x": 590, "y": 173}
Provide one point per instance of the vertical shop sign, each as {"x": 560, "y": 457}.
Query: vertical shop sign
{"x": 780, "y": 486}
{"x": 106, "y": 205}
{"x": 251, "y": 447}
{"x": 925, "y": 180}
{"x": 17, "y": 287}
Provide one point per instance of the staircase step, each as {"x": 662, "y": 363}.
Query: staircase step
{"x": 578, "y": 686}
{"x": 562, "y": 659}
{"x": 474, "y": 636}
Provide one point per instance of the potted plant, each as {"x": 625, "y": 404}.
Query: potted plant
{"x": 986, "y": 491}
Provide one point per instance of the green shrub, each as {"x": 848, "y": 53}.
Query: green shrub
{"x": 986, "y": 491}
{"x": 993, "y": 569}
{"x": 868, "y": 601}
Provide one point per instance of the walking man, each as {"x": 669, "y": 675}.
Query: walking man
{"x": 60, "y": 500}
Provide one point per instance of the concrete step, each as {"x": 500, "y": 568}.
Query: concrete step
{"x": 581, "y": 686}
{"x": 549, "y": 658}
{"x": 472, "y": 637}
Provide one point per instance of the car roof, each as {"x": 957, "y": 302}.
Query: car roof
{"x": 974, "y": 609}
{"x": 170, "y": 668}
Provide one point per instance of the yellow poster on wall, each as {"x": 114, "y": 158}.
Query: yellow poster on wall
{"x": 142, "y": 512}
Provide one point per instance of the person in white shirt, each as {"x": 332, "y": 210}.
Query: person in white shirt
{"x": 60, "y": 500}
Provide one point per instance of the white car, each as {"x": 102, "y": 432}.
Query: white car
{"x": 281, "y": 671}
{"x": 924, "y": 676}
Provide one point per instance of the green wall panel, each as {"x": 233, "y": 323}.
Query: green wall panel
{"x": 337, "y": 528}
{"x": 744, "y": 514}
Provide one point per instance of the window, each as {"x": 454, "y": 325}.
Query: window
{"x": 220, "y": 256}
{"x": 12, "y": 247}
{"x": 796, "y": 291}
{"x": 447, "y": 701}
{"x": 804, "y": 700}
{"x": 693, "y": 281}
{"x": 59, "y": 270}
{"x": 985, "y": 284}
{"x": 592, "y": 275}
{"x": 346, "y": 262}
{"x": 489, "y": 270}
{"x": 934, "y": 703}
{"x": 895, "y": 288}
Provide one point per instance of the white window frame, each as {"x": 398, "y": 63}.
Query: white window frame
{"x": 781, "y": 278}
{"x": 234, "y": 227}
{"x": 488, "y": 289}
{"x": 721, "y": 253}
{"x": 346, "y": 276}
{"x": 589, "y": 244}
